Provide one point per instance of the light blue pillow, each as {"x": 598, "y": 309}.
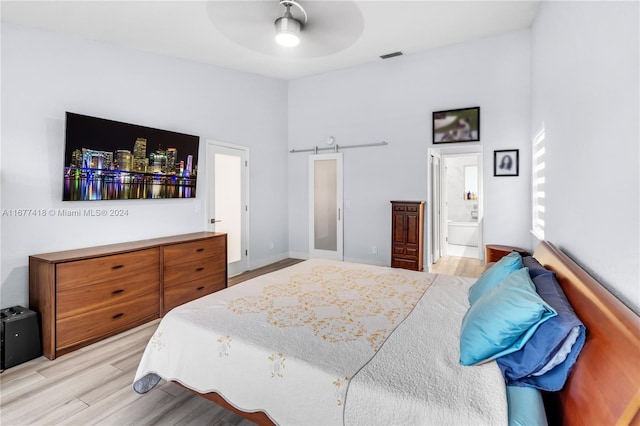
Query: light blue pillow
{"x": 494, "y": 275}
{"x": 502, "y": 320}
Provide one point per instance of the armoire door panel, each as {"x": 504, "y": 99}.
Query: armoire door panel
{"x": 399, "y": 234}
{"x": 412, "y": 234}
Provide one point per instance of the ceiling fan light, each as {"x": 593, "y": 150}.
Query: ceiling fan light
{"x": 287, "y": 31}
{"x": 287, "y": 40}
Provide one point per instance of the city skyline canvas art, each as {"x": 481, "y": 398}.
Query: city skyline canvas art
{"x": 112, "y": 160}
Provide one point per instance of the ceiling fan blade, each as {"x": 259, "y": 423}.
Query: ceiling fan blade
{"x": 332, "y": 26}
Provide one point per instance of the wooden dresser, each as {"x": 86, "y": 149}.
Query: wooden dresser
{"x": 193, "y": 269}
{"x": 86, "y": 295}
{"x": 407, "y": 234}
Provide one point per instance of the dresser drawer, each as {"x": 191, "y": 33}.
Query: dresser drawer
{"x": 78, "y": 300}
{"x": 197, "y": 269}
{"x": 118, "y": 267}
{"x": 106, "y": 321}
{"x": 186, "y": 252}
{"x": 186, "y": 292}
{"x": 408, "y": 250}
{"x": 406, "y": 263}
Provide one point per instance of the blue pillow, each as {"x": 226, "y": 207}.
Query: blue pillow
{"x": 558, "y": 341}
{"x": 535, "y": 268}
{"x": 492, "y": 276}
{"x": 502, "y": 320}
{"x": 525, "y": 407}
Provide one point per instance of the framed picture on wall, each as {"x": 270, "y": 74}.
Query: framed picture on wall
{"x": 506, "y": 162}
{"x": 456, "y": 125}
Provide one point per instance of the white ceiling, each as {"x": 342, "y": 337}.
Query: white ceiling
{"x": 239, "y": 34}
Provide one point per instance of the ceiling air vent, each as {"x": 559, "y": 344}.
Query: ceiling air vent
{"x": 391, "y": 55}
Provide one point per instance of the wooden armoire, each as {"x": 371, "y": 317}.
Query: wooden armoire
{"x": 407, "y": 234}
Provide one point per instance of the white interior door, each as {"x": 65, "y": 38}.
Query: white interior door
{"x": 435, "y": 209}
{"x": 326, "y": 206}
{"x": 228, "y": 209}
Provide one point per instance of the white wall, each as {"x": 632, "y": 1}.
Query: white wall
{"x": 45, "y": 74}
{"x": 585, "y": 82}
{"x": 393, "y": 101}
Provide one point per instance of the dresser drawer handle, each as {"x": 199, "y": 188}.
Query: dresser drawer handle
{"x": 117, "y": 267}
{"x": 201, "y": 287}
{"x": 200, "y": 249}
{"x": 200, "y": 269}
{"x": 117, "y": 291}
{"x": 116, "y": 316}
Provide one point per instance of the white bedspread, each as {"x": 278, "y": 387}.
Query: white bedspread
{"x": 285, "y": 343}
{"x": 416, "y": 379}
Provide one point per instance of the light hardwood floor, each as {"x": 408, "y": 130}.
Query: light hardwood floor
{"x": 460, "y": 266}
{"x": 260, "y": 271}
{"x": 93, "y": 385}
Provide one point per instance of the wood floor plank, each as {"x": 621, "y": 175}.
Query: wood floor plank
{"x": 459, "y": 266}
{"x": 110, "y": 405}
{"x": 196, "y": 410}
{"x": 172, "y": 388}
{"x": 116, "y": 382}
{"x": 18, "y": 383}
{"x": 261, "y": 271}
{"x": 51, "y": 415}
{"x": 146, "y": 411}
{"x": 55, "y": 402}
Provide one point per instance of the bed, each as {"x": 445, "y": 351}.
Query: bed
{"x": 330, "y": 342}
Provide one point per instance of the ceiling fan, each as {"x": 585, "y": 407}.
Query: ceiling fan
{"x": 287, "y": 27}
{"x": 320, "y": 27}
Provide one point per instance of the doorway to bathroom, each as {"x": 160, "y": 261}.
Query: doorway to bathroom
{"x": 462, "y": 204}
{"x": 456, "y": 202}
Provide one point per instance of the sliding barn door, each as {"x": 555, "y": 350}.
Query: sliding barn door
{"x": 325, "y": 206}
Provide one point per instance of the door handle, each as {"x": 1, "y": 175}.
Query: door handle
{"x": 215, "y": 221}
{"x": 339, "y": 211}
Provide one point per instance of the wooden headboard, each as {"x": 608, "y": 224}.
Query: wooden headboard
{"x": 604, "y": 386}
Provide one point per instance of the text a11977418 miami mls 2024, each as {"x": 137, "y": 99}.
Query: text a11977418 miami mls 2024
{"x": 65, "y": 212}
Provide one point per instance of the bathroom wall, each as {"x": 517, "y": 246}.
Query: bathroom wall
{"x": 459, "y": 209}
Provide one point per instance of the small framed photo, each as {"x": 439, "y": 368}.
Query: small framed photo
{"x": 456, "y": 125}
{"x": 506, "y": 162}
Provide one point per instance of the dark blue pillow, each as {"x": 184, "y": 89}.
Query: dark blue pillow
{"x": 535, "y": 268}
{"x": 547, "y": 344}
